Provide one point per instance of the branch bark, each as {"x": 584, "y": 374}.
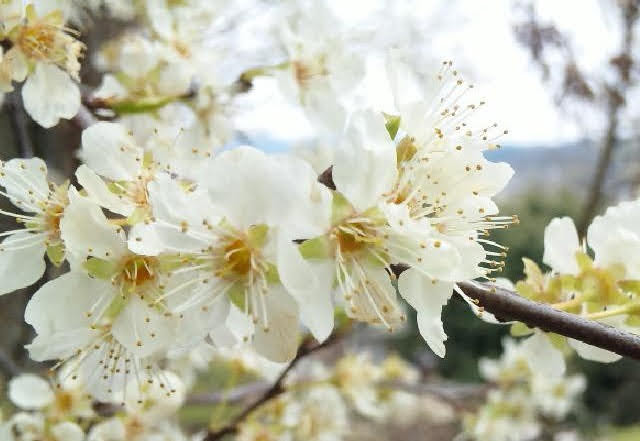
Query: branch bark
{"x": 20, "y": 124}
{"x": 307, "y": 348}
{"x": 507, "y": 306}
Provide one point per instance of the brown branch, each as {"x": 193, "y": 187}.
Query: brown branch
{"x": 20, "y": 124}
{"x": 307, "y": 348}
{"x": 507, "y": 306}
{"x": 84, "y": 118}
{"x": 8, "y": 366}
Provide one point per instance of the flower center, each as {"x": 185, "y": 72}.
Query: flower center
{"x": 237, "y": 257}
{"x": 137, "y": 271}
{"x": 354, "y": 236}
{"x": 44, "y": 41}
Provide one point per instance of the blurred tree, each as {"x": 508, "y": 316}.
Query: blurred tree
{"x": 607, "y": 91}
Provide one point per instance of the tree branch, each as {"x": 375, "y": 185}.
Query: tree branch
{"x": 307, "y": 348}
{"x": 7, "y": 366}
{"x": 507, "y": 305}
{"x": 20, "y": 124}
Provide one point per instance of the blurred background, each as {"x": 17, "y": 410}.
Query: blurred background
{"x": 562, "y": 76}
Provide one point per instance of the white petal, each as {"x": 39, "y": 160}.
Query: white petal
{"x": 23, "y": 265}
{"x": 251, "y": 188}
{"x": 593, "y": 353}
{"x": 137, "y": 56}
{"x": 144, "y": 240}
{"x": 25, "y": 181}
{"x": 544, "y": 358}
{"x": 365, "y": 163}
{"x": 280, "y": 342}
{"x": 99, "y": 192}
{"x": 175, "y": 208}
{"x": 560, "y": 246}
{"x": 615, "y": 237}
{"x": 50, "y": 94}
{"x": 111, "y": 152}
{"x": 233, "y": 330}
{"x": 29, "y": 391}
{"x": 67, "y": 431}
{"x": 140, "y": 336}
{"x": 87, "y": 232}
{"x": 58, "y": 311}
{"x": 427, "y": 297}
{"x": 310, "y": 285}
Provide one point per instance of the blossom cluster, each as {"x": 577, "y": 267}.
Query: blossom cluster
{"x": 529, "y": 389}
{"x": 61, "y": 410}
{"x": 172, "y": 241}
{"x": 598, "y": 278}
{"x": 320, "y": 402}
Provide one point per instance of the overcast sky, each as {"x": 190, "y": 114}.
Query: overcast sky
{"x": 478, "y": 35}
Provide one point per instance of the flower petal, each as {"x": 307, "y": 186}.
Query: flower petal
{"x": 365, "y": 163}
{"x": 87, "y": 232}
{"x": 25, "y": 181}
{"x": 29, "y": 391}
{"x": 111, "y": 152}
{"x": 278, "y": 342}
{"x": 310, "y": 285}
{"x": 99, "y": 192}
{"x": 50, "y": 94}
{"x": 427, "y": 297}
{"x": 21, "y": 261}
{"x": 560, "y": 246}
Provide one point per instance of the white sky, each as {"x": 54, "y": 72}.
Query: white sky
{"x": 478, "y": 36}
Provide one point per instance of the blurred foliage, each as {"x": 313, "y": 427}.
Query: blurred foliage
{"x": 535, "y": 210}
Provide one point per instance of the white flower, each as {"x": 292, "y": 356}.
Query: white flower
{"x": 319, "y": 415}
{"x": 557, "y": 397}
{"x": 397, "y": 203}
{"x": 46, "y": 55}
{"x": 318, "y": 72}
{"x": 29, "y": 392}
{"x": 615, "y": 238}
{"x": 43, "y": 203}
{"x": 560, "y": 246}
{"x": 506, "y": 417}
{"x": 105, "y": 315}
{"x": 240, "y": 244}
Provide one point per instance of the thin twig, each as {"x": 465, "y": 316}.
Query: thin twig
{"x": 20, "y": 124}
{"x": 84, "y": 118}
{"x": 307, "y": 348}
{"x": 507, "y": 306}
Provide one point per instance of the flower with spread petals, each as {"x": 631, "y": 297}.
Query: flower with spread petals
{"x": 105, "y": 320}
{"x": 43, "y": 203}
{"x": 383, "y": 215}
{"x": 237, "y": 230}
{"x": 46, "y": 412}
{"x": 46, "y": 53}
{"x": 603, "y": 288}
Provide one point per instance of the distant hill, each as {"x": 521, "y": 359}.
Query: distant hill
{"x": 548, "y": 168}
